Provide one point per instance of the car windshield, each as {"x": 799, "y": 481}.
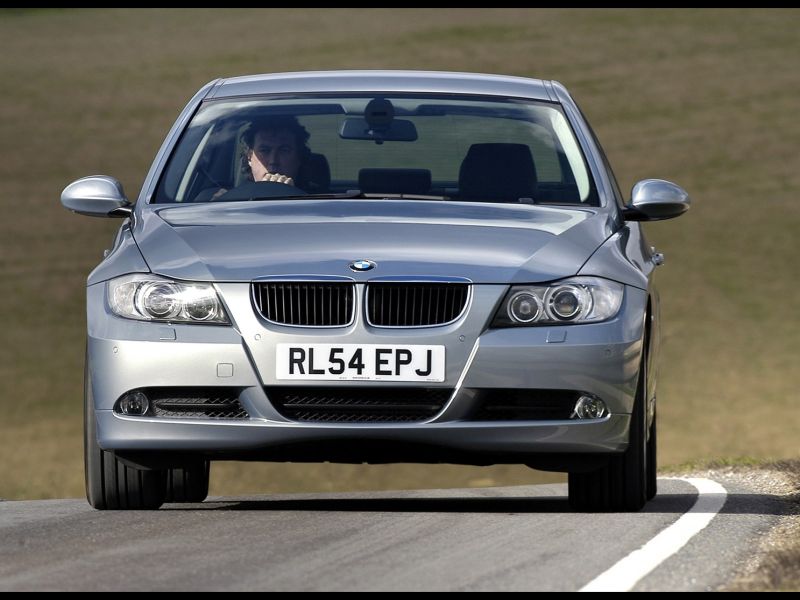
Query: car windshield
{"x": 440, "y": 147}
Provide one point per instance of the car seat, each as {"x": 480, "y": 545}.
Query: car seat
{"x": 497, "y": 172}
{"x": 315, "y": 174}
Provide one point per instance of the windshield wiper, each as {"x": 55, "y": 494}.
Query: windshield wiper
{"x": 405, "y": 196}
{"x": 343, "y": 196}
{"x": 352, "y": 195}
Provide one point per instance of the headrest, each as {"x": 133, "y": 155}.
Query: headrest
{"x": 394, "y": 181}
{"x": 497, "y": 172}
{"x": 315, "y": 174}
{"x": 554, "y": 192}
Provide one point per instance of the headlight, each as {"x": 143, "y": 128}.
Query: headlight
{"x": 153, "y": 298}
{"x": 575, "y": 300}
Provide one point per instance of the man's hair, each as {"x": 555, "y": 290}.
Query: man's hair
{"x": 275, "y": 124}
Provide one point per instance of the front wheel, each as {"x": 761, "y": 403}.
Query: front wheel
{"x": 189, "y": 483}
{"x": 652, "y": 465}
{"x": 110, "y": 484}
{"x": 624, "y": 483}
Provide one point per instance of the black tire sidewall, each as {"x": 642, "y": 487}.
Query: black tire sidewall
{"x": 92, "y": 454}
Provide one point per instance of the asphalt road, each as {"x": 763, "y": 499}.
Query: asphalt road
{"x": 510, "y": 538}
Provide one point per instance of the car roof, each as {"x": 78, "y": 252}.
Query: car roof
{"x": 382, "y": 81}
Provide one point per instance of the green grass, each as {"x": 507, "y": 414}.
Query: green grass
{"x": 707, "y": 98}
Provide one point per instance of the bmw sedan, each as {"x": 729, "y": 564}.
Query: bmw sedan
{"x": 374, "y": 267}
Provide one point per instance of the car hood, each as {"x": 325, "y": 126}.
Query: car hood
{"x": 486, "y": 243}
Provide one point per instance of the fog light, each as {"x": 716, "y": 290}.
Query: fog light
{"x": 589, "y": 407}
{"x": 134, "y": 403}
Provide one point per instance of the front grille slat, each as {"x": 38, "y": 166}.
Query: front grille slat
{"x": 415, "y": 304}
{"x": 292, "y": 305}
{"x": 282, "y": 311}
{"x": 273, "y": 308}
{"x": 330, "y": 305}
{"x": 306, "y": 304}
{"x": 309, "y": 317}
{"x": 429, "y": 305}
{"x": 386, "y": 304}
{"x": 358, "y": 404}
{"x": 396, "y": 305}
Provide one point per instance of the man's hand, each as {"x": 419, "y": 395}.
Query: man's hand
{"x": 217, "y": 194}
{"x": 277, "y": 177}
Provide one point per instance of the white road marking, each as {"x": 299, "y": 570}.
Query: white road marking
{"x": 628, "y": 571}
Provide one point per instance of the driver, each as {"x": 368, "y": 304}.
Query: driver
{"x": 275, "y": 149}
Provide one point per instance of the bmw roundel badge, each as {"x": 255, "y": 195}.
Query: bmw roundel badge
{"x": 362, "y": 265}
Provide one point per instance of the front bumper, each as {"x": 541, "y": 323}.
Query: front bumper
{"x": 600, "y": 359}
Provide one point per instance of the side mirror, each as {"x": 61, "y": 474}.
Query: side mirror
{"x": 656, "y": 200}
{"x": 96, "y": 196}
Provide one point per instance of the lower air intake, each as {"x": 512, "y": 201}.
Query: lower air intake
{"x": 358, "y": 405}
{"x": 195, "y": 403}
{"x": 524, "y": 405}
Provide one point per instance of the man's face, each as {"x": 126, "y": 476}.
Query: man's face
{"x": 274, "y": 152}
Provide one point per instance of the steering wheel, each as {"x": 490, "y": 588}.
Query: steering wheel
{"x": 261, "y": 190}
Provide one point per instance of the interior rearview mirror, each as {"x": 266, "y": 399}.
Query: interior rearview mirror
{"x": 399, "y": 130}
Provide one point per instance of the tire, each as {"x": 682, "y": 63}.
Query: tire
{"x": 188, "y": 484}
{"x": 623, "y": 484}
{"x": 110, "y": 484}
{"x": 652, "y": 462}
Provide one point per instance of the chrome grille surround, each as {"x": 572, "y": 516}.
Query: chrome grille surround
{"x": 306, "y": 303}
{"x": 415, "y": 304}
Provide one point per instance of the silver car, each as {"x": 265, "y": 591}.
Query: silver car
{"x": 374, "y": 266}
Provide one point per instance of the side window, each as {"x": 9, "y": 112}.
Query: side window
{"x": 606, "y": 165}
{"x": 192, "y": 172}
{"x": 615, "y": 186}
{"x": 181, "y": 172}
{"x": 212, "y": 164}
{"x": 238, "y": 156}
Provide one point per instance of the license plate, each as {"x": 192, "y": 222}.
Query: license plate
{"x": 360, "y": 362}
